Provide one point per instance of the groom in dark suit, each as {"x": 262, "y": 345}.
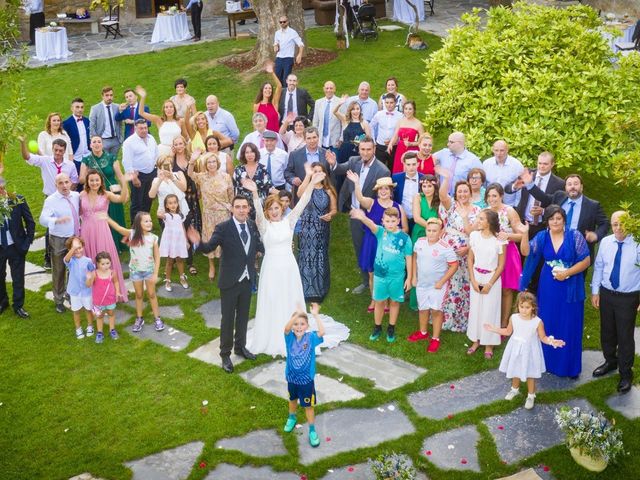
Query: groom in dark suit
{"x": 16, "y": 236}
{"x": 240, "y": 241}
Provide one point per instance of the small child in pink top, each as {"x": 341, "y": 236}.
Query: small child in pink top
{"x": 106, "y": 288}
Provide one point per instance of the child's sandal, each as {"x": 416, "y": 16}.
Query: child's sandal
{"x": 167, "y": 285}
{"x": 183, "y": 281}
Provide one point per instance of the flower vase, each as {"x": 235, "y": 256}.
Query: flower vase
{"x": 593, "y": 464}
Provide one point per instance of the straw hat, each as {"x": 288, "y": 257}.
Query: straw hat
{"x": 385, "y": 182}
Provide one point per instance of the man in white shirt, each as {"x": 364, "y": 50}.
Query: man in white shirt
{"x": 103, "y": 122}
{"x": 274, "y": 159}
{"x": 35, "y": 10}
{"x": 220, "y": 120}
{"x": 504, "y": 169}
{"x": 368, "y": 105}
{"x": 61, "y": 216}
{"x": 139, "y": 153}
{"x": 457, "y": 159}
{"x": 257, "y": 136}
{"x": 383, "y": 125}
{"x": 284, "y": 44}
{"x": 328, "y": 125}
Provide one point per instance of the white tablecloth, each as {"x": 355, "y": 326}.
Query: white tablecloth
{"x": 402, "y": 12}
{"x": 51, "y": 44}
{"x": 171, "y": 28}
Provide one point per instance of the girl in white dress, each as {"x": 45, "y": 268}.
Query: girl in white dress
{"x": 169, "y": 124}
{"x": 280, "y": 290}
{"x": 485, "y": 262}
{"x": 523, "y": 359}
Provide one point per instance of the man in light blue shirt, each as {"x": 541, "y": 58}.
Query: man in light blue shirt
{"x": 457, "y": 159}
{"x": 220, "y": 120}
{"x": 368, "y": 105}
{"x": 615, "y": 291}
{"x": 504, "y": 169}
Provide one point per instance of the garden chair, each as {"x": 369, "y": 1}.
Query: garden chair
{"x": 429, "y": 3}
{"x": 111, "y": 23}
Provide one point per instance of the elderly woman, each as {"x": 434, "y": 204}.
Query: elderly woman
{"x": 250, "y": 168}
{"x": 216, "y": 191}
{"x": 170, "y": 125}
{"x": 213, "y": 145}
{"x": 564, "y": 255}
{"x": 293, "y": 139}
{"x": 476, "y": 178}
{"x": 53, "y": 130}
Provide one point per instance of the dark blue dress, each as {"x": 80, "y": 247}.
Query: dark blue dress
{"x": 369, "y": 241}
{"x": 349, "y": 148}
{"x": 561, "y": 304}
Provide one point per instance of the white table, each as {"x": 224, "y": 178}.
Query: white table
{"x": 402, "y": 12}
{"x": 171, "y": 28}
{"x": 51, "y": 44}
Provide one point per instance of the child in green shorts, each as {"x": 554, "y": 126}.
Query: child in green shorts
{"x": 391, "y": 268}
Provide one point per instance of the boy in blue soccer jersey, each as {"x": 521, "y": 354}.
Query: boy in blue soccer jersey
{"x": 301, "y": 367}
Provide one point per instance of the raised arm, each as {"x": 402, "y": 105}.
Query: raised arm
{"x": 358, "y": 214}
{"x": 315, "y": 311}
{"x": 445, "y": 199}
{"x": 261, "y": 221}
{"x": 404, "y": 222}
{"x": 524, "y": 239}
{"x": 365, "y": 202}
{"x": 304, "y": 199}
{"x": 155, "y": 119}
{"x": 337, "y": 112}
{"x": 123, "y": 196}
{"x": 125, "y": 232}
{"x": 365, "y": 126}
{"x": 275, "y": 98}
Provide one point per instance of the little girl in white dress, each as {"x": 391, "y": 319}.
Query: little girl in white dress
{"x": 522, "y": 359}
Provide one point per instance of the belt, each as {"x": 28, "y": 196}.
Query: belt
{"x": 620, "y": 294}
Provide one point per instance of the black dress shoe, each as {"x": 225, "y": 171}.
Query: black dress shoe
{"x": 60, "y": 308}
{"x": 243, "y": 352}
{"x": 605, "y": 368}
{"x": 624, "y": 385}
{"x": 242, "y": 22}
{"x": 227, "y": 365}
{"x": 21, "y": 312}
{"x": 3, "y": 307}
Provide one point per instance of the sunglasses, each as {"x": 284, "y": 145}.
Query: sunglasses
{"x": 282, "y": 22}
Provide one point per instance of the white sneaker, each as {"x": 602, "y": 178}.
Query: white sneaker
{"x": 513, "y": 393}
{"x": 531, "y": 399}
{"x": 79, "y": 333}
{"x": 90, "y": 331}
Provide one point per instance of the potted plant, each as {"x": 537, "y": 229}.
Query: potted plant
{"x": 592, "y": 440}
{"x": 392, "y": 466}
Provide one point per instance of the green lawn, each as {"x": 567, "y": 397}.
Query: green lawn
{"x": 71, "y": 406}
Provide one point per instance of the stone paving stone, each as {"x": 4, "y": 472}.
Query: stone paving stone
{"x": 85, "y": 476}
{"x": 636, "y": 337}
{"x": 386, "y": 372}
{"x": 172, "y": 312}
{"x": 177, "y": 293}
{"x": 35, "y": 278}
{"x": 529, "y": 474}
{"x": 361, "y": 471}
{"x": 270, "y": 378}
{"x": 225, "y": 471}
{"x": 210, "y": 352}
{"x": 486, "y": 387}
{"x": 350, "y": 428}
{"x": 627, "y": 404}
{"x": 37, "y": 245}
{"x": 261, "y": 443}
{"x": 523, "y": 433}
{"x": 174, "y": 464}
{"x": 211, "y": 313}
{"x": 453, "y": 449}
{"x": 121, "y": 317}
{"x": 169, "y": 337}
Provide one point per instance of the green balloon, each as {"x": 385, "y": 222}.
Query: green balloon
{"x": 33, "y": 146}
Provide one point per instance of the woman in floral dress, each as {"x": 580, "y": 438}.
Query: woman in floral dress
{"x": 251, "y": 168}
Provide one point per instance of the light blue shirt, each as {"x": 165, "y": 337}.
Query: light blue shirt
{"x": 629, "y": 270}
{"x": 459, "y": 165}
{"x": 222, "y": 121}
{"x": 191, "y": 3}
{"x": 78, "y": 268}
{"x": 312, "y": 156}
{"x": 577, "y": 208}
{"x": 505, "y": 173}
{"x": 383, "y": 125}
{"x": 369, "y": 107}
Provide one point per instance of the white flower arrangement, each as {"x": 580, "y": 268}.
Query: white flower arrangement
{"x": 392, "y": 466}
{"x": 53, "y": 24}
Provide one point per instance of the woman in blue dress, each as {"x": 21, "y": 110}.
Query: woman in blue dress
{"x": 561, "y": 292}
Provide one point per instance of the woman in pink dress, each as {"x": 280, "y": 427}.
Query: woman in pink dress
{"x": 94, "y": 201}
{"x": 267, "y": 101}
{"x": 408, "y": 131}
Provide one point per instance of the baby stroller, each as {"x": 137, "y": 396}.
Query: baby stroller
{"x": 364, "y": 21}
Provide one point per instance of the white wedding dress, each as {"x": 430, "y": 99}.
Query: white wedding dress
{"x": 280, "y": 288}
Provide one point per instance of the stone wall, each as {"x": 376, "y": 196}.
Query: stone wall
{"x": 619, "y": 7}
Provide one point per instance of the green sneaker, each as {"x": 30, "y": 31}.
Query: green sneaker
{"x": 375, "y": 335}
{"x": 391, "y": 334}
{"x": 314, "y": 441}
{"x": 290, "y": 425}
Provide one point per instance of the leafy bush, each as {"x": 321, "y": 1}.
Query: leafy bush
{"x": 542, "y": 79}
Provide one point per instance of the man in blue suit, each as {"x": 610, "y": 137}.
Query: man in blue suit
{"x": 408, "y": 184}
{"x": 128, "y": 113}
{"x": 77, "y": 127}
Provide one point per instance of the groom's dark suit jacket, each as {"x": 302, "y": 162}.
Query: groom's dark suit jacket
{"x": 234, "y": 259}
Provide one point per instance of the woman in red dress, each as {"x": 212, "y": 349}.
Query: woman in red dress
{"x": 267, "y": 101}
{"x": 408, "y": 130}
{"x": 426, "y": 164}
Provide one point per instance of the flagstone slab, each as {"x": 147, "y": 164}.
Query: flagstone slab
{"x": 348, "y": 429}
{"x": 210, "y": 352}
{"x": 636, "y": 337}
{"x": 173, "y": 464}
{"x": 261, "y": 443}
{"x": 35, "y": 277}
{"x": 523, "y": 433}
{"x": 177, "y": 293}
{"x": 37, "y": 244}
{"x": 537, "y": 473}
{"x": 224, "y": 471}
{"x": 172, "y": 312}
{"x": 453, "y": 449}
{"x": 628, "y": 404}
{"x": 362, "y": 471}
{"x": 270, "y": 377}
{"x": 212, "y": 313}
{"x": 386, "y": 372}
{"x": 469, "y": 393}
{"x": 122, "y": 316}
{"x": 170, "y": 337}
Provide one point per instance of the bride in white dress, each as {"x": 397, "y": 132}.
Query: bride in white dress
{"x": 280, "y": 288}
{"x": 169, "y": 124}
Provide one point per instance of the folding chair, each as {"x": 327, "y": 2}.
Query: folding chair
{"x": 111, "y": 23}
{"x": 429, "y": 3}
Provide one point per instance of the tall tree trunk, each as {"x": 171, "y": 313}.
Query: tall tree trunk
{"x": 268, "y": 13}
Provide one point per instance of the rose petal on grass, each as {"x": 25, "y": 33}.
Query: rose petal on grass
{"x": 202, "y": 464}
{"x": 450, "y": 416}
{"x": 252, "y": 407}
{"x": 298, "y": 426}
{"x": 428, "y": 452}
{"x": 346, "y": 290}
{"x": 205, "y": 402}
{"x": 545, "y": 468}
{"x": 66, "y": 430}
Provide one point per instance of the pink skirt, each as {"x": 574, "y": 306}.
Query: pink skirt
{"x": 512, "y": 267}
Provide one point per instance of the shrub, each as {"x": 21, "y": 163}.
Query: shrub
{"x": 542, "y": 79}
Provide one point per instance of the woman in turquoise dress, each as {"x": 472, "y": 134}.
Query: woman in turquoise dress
{"x": 109, "y": 168}
{"x": 477, "y": 178}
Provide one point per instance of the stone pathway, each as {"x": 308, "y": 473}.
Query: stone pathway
{"x": 387, "y": 373}
{"x": 361, "y": 471}
{"x": 627, "y": 404}
{"x": 490, "y": 386}
{"x": 453, "y": 449}
{"x": 169, "y": 337}
{"x": 270, "y": 378}
{"x": 173, "y": 464}
{"x": 210, "y": 352}
{"x": 447, "y": 15}
{"x": 224, "y": 471}
{"x": 261, "y": 443}
{"x": 212, "y": 313}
